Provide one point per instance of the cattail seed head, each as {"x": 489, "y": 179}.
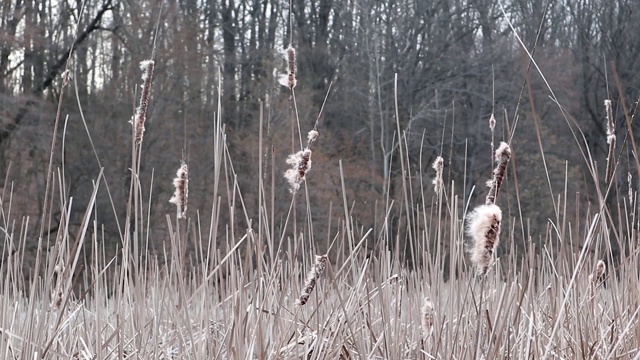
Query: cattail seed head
{"x": 503, "y": 154}
{"x": 600, "y": 269}
{"x": 611, "y": 140}
{"x": 140, "y": 116}
{"x": 492, "y": 122}
{"x": 66, "y": 77}
{"x": 58, "y": 293}
{"x": 438, "y": 165}
{"x": 289, "y": 80}
{"x": 629, "y": 182}
{"x": 427, "y": 317}
{"x": 181, "y": 193}
{"x": 483, "y": 227}
{"x": 598, "y": 274}
{"x": 291, "y": 59}
{"x": 312, "y": 136}
{"x": 312, "y": 277}
{"x": 300, "y": 164}
{"x": 610, "y": 125}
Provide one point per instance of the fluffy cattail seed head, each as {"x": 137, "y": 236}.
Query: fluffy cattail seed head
{"x": 598, "y": 274}
{"x": 630, "y": 184}
{"x": 140, "y": 116}
{"x": 427, "y": 317}
{"x": 312, "y": 277}
{"x": 300, "y": 164}
{"x": 58, "y": 293}
{"x": 484, "y": 228}
{"x": 611, "y": 140}
{"x": 610, "y": 125}
{"x": 289, "y": 80}
{"x": 181, "y": 193}
{"x": 438, "y": 165}
{"x": 66, "y": 77}
{"x": 503, "y": 154}
{"x": 291, "y": 59}
{"x": 312, "y": 136}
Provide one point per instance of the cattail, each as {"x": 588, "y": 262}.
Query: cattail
{"x": 484, "y": 228}
{"x": 492, "y": 126}
{"x": 503, "y": 154}
{"x": 312, "y": 136}
{"x": 291, "y": 59}
{"x": 492, "y": 122}
{"x": 598, "y": 274}
{"x": 438, "y": 165}
{"x": 181, "y": 193}
{"x": 610, "y": 125}
{"x": 300, "y": 164}
{"x": 58, "y": 294}
{"x": 611, "y": 140}
{"x": 629, "y": 182}
{"x": 427, "y": 317}
{"x": 66, "y": 76}
{"x": 289, "y": 80}
{"x": 141, "y": 112}
{"x": 312, "y": 277}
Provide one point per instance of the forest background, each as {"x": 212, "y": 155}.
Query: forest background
{"x": 457, "y": 62}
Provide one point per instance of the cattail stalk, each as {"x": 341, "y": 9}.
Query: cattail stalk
{"x": 140, "y": 116}
{"x": 611, "y": 140}
{"x": 438, "y": 166}
{"x": 312, "y": 277}
{"x": 181, "y": 193}
{"x": 503, "y": 154}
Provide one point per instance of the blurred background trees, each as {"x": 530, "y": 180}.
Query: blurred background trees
{"x": 457, "y": 62}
